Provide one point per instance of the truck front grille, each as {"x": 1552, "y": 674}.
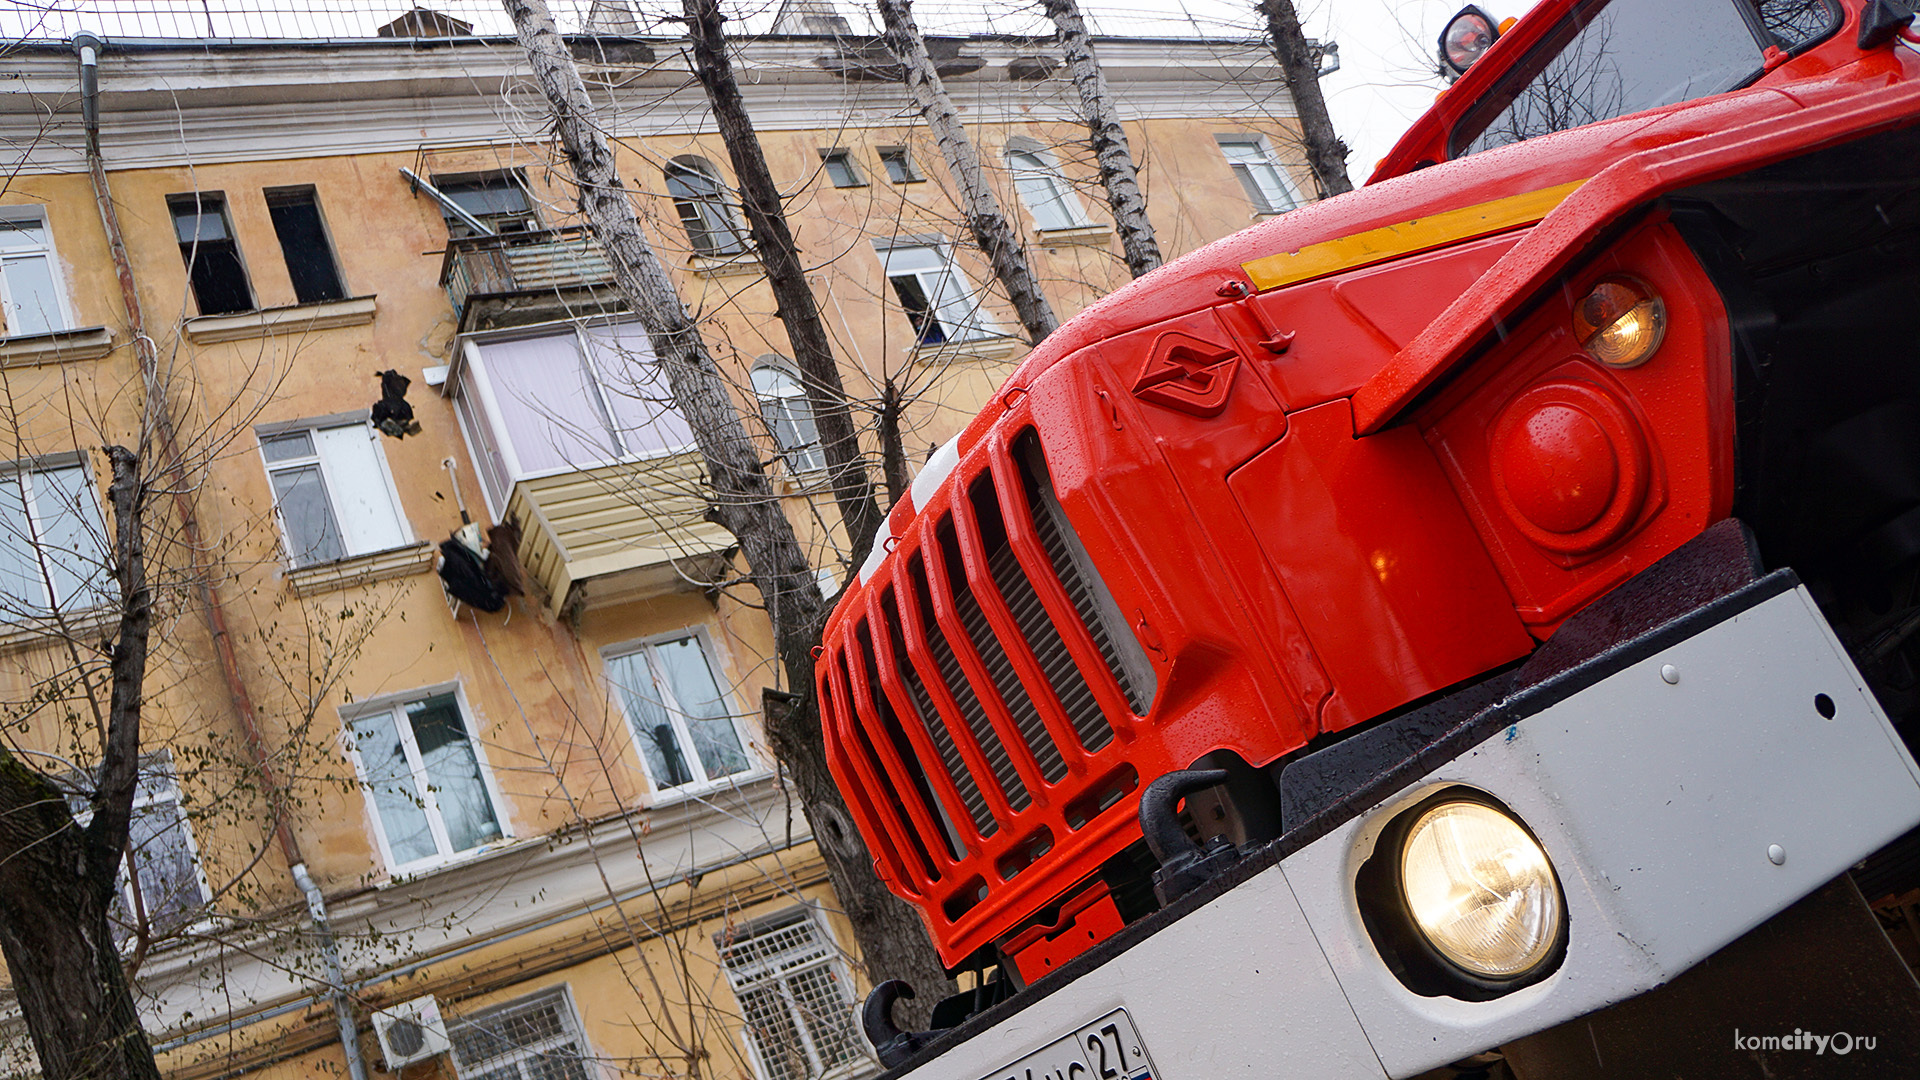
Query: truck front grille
{"x": 987, "y": 663}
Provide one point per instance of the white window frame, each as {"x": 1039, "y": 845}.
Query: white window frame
{"x": 29, "y": 470}
{"x": 487, "y": 411}
{"x": 935, "y": 282}
{"x": 1261, "y": 155}
{"x": 561, "y": 996}
{"x": 714, "y": 210}
{"x": 55, "y": 271}
{"x": 807, "y": 457}
{"x": 394, "y": 706}
{"x": 160, "y": 763}
{"x": 759, "y": 974}
{"x": 312, "y": 427}
{"x": 154, "y": 763}
{"x": 701, "y": 783}
{"x": 1029, "y": 180}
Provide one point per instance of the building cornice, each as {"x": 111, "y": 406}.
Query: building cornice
{"x": 168, "y": 107}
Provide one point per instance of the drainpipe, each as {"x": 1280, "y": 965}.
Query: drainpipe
{"x": 160, "y": 413}
{"x": 336, "y": 976}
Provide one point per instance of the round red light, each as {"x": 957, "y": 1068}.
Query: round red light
{"x": 1560, "y": 468}
{"x": 1570, "y": 465}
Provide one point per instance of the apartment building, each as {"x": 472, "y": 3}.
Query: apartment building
{"x": 555, "y": 826}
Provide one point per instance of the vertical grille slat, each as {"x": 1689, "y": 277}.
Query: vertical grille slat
{"x": 936, "y": 726}
{"x": 863, "y": 744}
{"x": 1098, "y": 613}
{"x": 903, "y": 746}
{"x": 993, "y": 657}
{"x": 984, "y": 734}
{"x": 1043, "y": 637}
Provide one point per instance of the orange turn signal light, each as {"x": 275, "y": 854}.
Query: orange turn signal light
{"x": 1621, "y": 322}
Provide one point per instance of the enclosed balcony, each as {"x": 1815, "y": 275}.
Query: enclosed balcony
{"x": 576, "y": 440}
{"x": 522, "y": 278}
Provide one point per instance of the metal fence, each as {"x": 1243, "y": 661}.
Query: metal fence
{"x": 342, "y": 19}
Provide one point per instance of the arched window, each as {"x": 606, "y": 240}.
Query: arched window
{"x": 1049, "y": 198}
{"x": 789, "y": 415}
{"x": 700, "y": 195}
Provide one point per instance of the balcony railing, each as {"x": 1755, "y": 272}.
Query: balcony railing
{"x": 518, "y": 278}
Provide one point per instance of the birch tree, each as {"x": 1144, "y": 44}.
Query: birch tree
{"x": 1106, "y": 138}
{"x": 893, "y": 942}
{"x": 984, "y": 218}
{"x": 1326, "y": 154}
{"x": 773, "y": 244}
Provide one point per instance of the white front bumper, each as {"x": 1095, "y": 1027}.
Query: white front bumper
{"x": 1658, "y": 802}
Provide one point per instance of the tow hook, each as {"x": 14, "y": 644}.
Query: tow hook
{"x": 894, "y": 1046}
{"x": 1183, "y": 866}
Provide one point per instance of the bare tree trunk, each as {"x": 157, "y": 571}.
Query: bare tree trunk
{"x": 773, "y": 242}
{"x": 1108, "y": 139}
{"x": 989, "y": 225}
{"x": 57, "y": 879}
{"x": 1326, "y": 154}
{"x": 893, "y": 943}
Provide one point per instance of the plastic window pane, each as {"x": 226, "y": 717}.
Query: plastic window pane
{"x": 635, "y": 388}
{"x": 72, "y": 535}
{"x": 453, "y": 772}
{"x": 703, "y": 707}
{"x": 646, "y": 713}
{"x": 361, "y": 499}
{"x": 1047, "y": 197}
{"x": 300, "y": 494}
{"x": 33, "y": 300}
{"x": 396, "y": 797}
{"x": 551, "y": 412}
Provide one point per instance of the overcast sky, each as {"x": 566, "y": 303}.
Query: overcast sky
{"x": 1387, "y": 61}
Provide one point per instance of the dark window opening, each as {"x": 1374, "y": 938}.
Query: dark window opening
{"x": 213, "y": 259}
{"x": 303, "y": 241}
{"x": 913, "y": 297}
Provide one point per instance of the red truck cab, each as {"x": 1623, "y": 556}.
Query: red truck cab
{"x": 1644, "y": 267}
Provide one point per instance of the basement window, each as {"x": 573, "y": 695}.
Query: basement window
{"x": 534, "y": 1038}
{"x": 218, "y": 276}
{"x": 303, "y": 241}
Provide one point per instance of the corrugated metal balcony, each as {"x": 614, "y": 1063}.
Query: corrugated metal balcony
{"x": 515, "y": 279}
{"x": 617, "y": 532}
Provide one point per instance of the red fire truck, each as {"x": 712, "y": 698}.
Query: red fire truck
{"x": 1467, "y": 624}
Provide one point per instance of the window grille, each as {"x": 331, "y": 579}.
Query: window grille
{"x": 535, "y": 1038}
{"x": 795, "y": 997}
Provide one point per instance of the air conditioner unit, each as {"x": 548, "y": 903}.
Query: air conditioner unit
{"x": 411, "y": 1032}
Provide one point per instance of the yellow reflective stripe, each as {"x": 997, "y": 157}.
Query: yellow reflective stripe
{"x": 1391, "y": 241}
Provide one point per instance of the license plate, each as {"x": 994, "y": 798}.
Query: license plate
{"x": 1106, "y": 1049}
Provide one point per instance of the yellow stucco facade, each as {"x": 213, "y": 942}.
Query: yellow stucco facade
{"x": 609, "y": 884}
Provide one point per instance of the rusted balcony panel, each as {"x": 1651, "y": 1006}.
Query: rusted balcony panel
{"x": 527, "y": 277}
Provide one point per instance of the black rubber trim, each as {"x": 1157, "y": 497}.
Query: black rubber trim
{"x": 1454, "y": 743}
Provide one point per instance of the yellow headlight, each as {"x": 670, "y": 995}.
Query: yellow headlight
{"x": 1621, "y": 322}
{"x": 1481, "y": 890}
